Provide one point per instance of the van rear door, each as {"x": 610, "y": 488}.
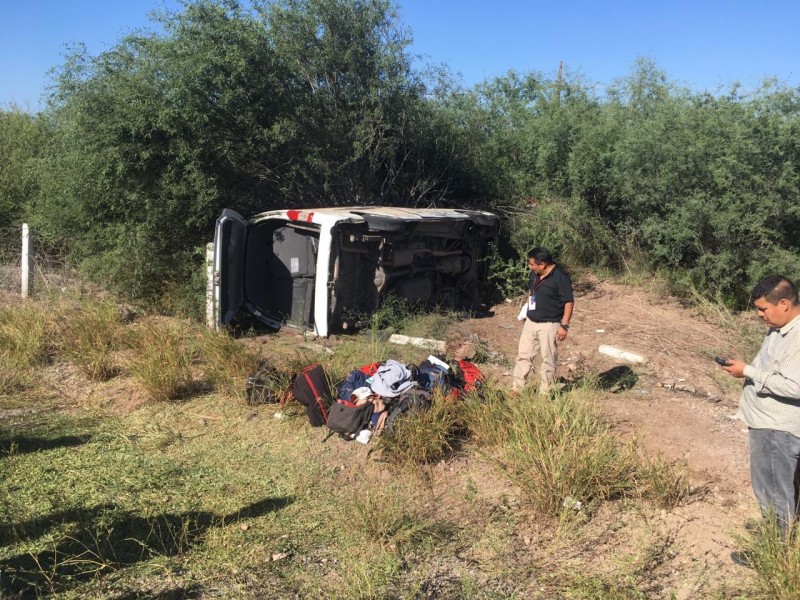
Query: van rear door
{"x": 228, "y": 282}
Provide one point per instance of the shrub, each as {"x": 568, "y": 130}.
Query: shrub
{"x": 509, "y": 277}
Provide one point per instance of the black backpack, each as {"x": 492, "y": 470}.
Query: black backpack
{"x": 347, "y": 419}
{"x": 414, "y": 399}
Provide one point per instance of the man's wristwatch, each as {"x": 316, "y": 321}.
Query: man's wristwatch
{"x": 564, "y": 326}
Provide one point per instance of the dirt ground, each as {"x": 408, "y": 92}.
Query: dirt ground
{"x": 682, "y": 405}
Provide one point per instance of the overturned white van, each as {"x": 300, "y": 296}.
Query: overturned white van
{"x": 323, "y": 269}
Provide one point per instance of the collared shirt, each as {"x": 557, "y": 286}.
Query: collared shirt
{"x": 771, "y": 392}
{"x": 550, "y": 294}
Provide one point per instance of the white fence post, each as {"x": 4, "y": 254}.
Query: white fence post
{"x": 27, "y": 262}
{"x": 210, "y": 307}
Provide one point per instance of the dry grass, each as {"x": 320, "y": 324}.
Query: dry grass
{"x": 26, "y": 333}
{"x": 90, "y": 336}
{"x": 226, "y": 363}
{"x": 162, "y": 360}
{"x": 775, "y": 557}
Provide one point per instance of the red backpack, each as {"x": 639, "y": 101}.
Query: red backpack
{"x": 472, "y": 375}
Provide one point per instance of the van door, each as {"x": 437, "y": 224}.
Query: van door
{"x": 228, "y": 276}
{"x": 291, "y": 269}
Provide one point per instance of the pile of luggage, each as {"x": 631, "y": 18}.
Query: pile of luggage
{"x": 373, "y": 397}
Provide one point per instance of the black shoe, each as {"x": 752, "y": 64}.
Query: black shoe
{"x": 741, "y": 559}
{"x": 751, "y": 525}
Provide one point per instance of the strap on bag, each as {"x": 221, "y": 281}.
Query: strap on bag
{"x": 317, "y": 397}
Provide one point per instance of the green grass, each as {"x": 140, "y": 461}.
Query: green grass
{"x": 561, "y": 452}
{"x": 425, "y": 436}
{"x": 226, "y": 364}
{"x": 210, "y": 496}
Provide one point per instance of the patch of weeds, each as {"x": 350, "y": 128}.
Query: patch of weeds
{"x": 435, "y": 325}
{"x": 713, "y": 309}
{"x": 558, "y": 449}
{"x": 353, "y": 353}
{"x": 89, "y": 336}
{"x": 225, "y": 362}
{"x": 396, "y": 314}
{"x": 392, "y": 520}
{"x": 664, "y": 483}
{"x": 470, "y": 491}
{"x": 750, "y": 335}
{"x": 486, "y": 416}
{"x": 596, "y": 587}
{"x": 775, "y": 557}
{"x": 368, "y": 578}
{"x": 162, "y": 360}
{"x": 425, "y": 436}
{"x": 25, "y": 340}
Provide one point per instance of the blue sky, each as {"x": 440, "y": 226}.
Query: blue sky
{"x": 705, "y": 45}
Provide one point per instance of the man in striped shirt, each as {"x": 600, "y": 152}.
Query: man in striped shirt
{"x": 770, "y": 402}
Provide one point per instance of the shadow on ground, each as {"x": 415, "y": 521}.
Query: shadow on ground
{"x": 103, "y": 538}
{"x": 13, "y": 445}
{"x": 615, "y": 379}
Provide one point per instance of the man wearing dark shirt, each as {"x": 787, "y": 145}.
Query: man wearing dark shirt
{"x": 547, "y": 312}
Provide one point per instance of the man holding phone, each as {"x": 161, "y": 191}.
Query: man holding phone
{"x": 770, "y": 401}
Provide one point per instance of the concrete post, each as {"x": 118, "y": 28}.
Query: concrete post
{"x": 27, "y": 262}
{"x": 211, "y": 320}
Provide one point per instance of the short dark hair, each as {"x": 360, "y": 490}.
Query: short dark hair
{"x": 774, "y": 288}
{"x": 541, "y": 255}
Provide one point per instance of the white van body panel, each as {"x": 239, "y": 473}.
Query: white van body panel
{"x": 345, "y": 260}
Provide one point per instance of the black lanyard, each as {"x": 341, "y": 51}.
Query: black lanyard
{"x": 541, "y": 281}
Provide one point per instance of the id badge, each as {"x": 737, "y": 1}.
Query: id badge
{"x": 532, "y": 302}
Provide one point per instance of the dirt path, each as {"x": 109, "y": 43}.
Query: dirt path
{"x": 681, "y": 404}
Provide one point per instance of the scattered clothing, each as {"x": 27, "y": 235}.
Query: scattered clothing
{"x": 391, "y": 380}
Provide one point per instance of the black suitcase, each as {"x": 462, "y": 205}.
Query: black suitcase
{"x": 311, "y": 388}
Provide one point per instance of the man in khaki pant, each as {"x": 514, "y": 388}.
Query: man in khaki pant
{"x": 547, "y": 312}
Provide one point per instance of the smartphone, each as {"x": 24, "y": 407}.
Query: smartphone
{"x": 721, "y": 361}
